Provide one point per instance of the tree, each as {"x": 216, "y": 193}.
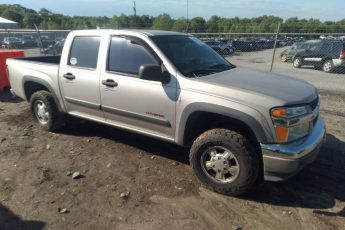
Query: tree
{"x": 123, "y": 21}
{"x": 212, "y": 24}
{"x": 146, "y": 21}
{"x": 13, "y": 15}
{"x": 31, "y": 19}
{"x": 180, "y": 25}
{"x": 47, "y": 19}
{"x": 162, "y": 22}
{"x": 197, "y": 25}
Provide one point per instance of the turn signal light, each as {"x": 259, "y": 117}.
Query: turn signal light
{"x": 282, "y": 133}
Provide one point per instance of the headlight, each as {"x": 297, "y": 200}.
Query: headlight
{"x": 289, "y": 112}
{"x": 288, "y": 124}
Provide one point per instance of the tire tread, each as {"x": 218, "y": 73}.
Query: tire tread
{"x": 238, "y": 141}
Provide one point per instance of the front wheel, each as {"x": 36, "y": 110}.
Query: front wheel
{"x": 224, "y": 161}
{"x": 328, "y": 66}
{"x": 297, "y": 62}
{"x": 283, "y": 58}
{"x": 45, "y": 111}
{"x": 226, "y": 52}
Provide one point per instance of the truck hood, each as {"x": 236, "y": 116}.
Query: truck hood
{"x": 251, "y": 84}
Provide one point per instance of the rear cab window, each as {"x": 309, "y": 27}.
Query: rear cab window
{"x": 84, "y": 52}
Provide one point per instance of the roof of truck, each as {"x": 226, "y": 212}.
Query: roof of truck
{"x": 145, "y": 32}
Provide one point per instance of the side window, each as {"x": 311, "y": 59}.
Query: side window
{"x": 84, "y": 52}
{"x": 316, "y": 47}
{"x": 127, "y": 56}
{"x": 326, "y": 46}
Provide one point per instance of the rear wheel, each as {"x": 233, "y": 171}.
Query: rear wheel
{"x": 297, "y": 62}
{"x": 224, "y": 161}
{"x": 328, "y": 66}
{"x": 45, "y": 111}
{"x": 283, "y": 58}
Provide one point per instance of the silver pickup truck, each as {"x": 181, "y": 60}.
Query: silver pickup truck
{"x": 241, "y": 125}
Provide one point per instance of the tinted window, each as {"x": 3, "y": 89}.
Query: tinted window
{"x": 127, "y": 55}
{"x": 84, "y": 52}
{"x": 316, "y": 46}
{"x": 326, "y": 46}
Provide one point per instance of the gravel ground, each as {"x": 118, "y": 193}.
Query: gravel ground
{"x": 158, "y": 188}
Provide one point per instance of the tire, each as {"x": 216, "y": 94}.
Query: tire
{"x": 224, "y": 161}
{"x": 297, "y": 62}
{"x": 227, "y": 52}
{"x": 328, "y": 66}
{"x": 283, "y": 58}
{"x": 45, "y": 111}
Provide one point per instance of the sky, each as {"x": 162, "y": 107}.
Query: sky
{"x": 325, "y": 10}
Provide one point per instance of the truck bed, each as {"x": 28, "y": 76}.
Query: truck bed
{"x": 43, "y": 59}
{"x": 45, "y": 68}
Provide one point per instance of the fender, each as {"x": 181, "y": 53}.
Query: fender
{"x": 262, "y": 132}
{"x": 46, "y": 85}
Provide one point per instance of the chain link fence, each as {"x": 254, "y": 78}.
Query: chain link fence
{"x": 34, "y": 42}
{"x": 284, "y": 53}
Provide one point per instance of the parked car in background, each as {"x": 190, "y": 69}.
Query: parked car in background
{"x": 281, "y": 43}
{"x": 221, "y": 47}
{"x": 327, "y": 54}
{"x": 289, "y": 54}
{"x": 265, "y": 43}
{"x": 245, "y": 45}
{"x": 28, "y": 41}
{"x": 46, "y": 41}
{"x": 11, "y": 43}
{"x": 55, "y": 49}
{"x": 58, "y": 39}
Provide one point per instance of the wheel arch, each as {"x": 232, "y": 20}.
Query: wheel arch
{"x": 220, "y": 117}
{"x": 33, "y": 84}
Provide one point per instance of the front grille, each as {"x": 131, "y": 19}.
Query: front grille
{"x": 313, "y": 105}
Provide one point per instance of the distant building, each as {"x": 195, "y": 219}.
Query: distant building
{"x": 7, "y": 24}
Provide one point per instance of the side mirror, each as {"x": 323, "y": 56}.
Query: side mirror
{"x": 152, "y": 72}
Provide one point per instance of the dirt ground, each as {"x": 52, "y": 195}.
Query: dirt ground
{"x": 35, "y": 181}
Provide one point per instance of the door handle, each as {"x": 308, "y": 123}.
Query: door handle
{"x": 69, "y": 76}
{"x": 110, "y": 83}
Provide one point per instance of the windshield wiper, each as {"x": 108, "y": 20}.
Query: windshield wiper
{"x": 210, "y": 70}
{"x": 220, "y": 66}
{"x": 201, "y": 72}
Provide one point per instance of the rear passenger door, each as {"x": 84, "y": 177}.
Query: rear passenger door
{"x": 133, "y": 103}
{"x": 79, "y": 77}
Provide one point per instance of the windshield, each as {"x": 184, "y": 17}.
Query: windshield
{"x": 192, "y": 57}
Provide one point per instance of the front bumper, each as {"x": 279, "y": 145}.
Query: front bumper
{"x": 283, "y": 161}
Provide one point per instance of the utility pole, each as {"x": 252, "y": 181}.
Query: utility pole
{"x": 134, "y": 9}
{"x": 135, "y": 14}
{"x": 187, "y": 16}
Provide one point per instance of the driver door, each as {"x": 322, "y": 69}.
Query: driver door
{"x": 133, "y": 103}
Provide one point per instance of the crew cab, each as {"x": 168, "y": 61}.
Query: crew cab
{"x": 241, "y": 125}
